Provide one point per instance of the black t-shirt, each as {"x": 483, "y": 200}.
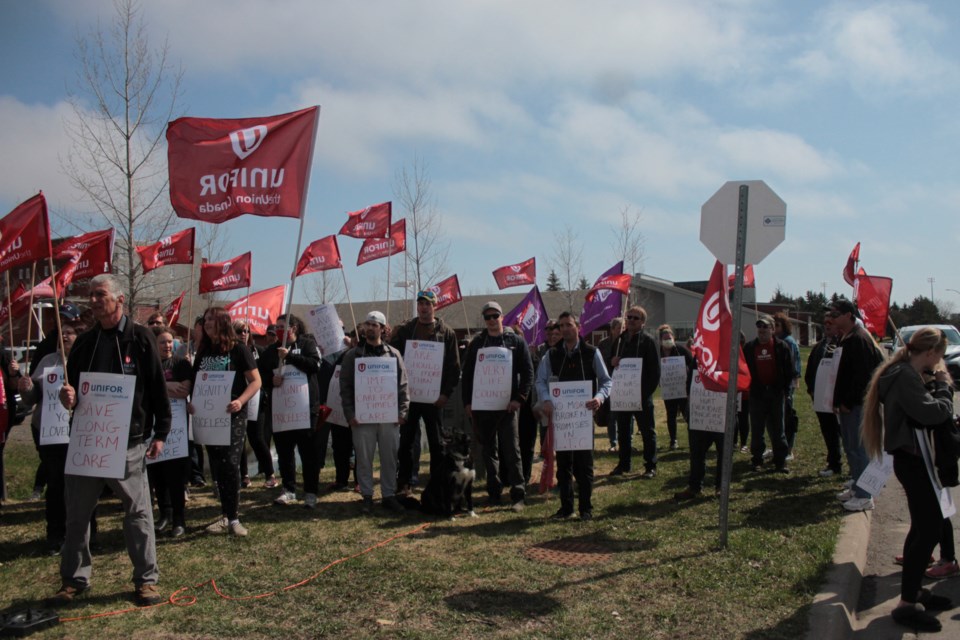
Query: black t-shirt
{"x": 239, "y": 359}
{"x": 176, "y": 369}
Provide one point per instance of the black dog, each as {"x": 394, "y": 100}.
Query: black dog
{"x": 451, "y": 491}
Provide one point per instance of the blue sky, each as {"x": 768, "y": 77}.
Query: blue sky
{"x": 535, "y": 115}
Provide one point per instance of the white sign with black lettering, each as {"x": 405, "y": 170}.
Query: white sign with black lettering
{"x": 376, "y": 399}
{"x": 492, "y": 379}
{"x": 825, "y": 382}
{"x": 334, "y": 401}
{"x": 572, "y": 421}
{"x": 708, "y": 409}
{"x": 326, "y": 327}
{"x": 175, "y": 446}
{"x": 424, "y": 362}
{"x": 627, "y": 394}
{"x": 101, "y": 425}
{"x": 54, "y": 419}
{"x": 673, "y": 377}
{"x": 291, "y": 401}
{"x": 211, "y": 395}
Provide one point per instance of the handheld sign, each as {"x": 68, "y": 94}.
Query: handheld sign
{"x": 572, "y": 421}
{"x": 253, "y": 407}
{"x": 424, "y": 361}
{"x": 375, "y": 391}
{"x": 326, "y": 327}
{"x": 54, "y": 419}
{"x": 626, "y": 393}
{"x": 825, "y": 382}
{"x": 291, "y": 401}
{"x": 334, "y": 401}
{"x": 707, "y": 408}
{"x": 492, "y": 379}
{"x": 175, "y": 446}
{"x": 673, "y": 377}
{"x": 101, "y": 425}
{"x": 211, "y": 395}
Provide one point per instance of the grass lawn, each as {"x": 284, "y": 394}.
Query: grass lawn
{"x": 664, "y": 577}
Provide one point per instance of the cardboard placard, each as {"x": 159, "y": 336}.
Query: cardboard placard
{"x": 376, "y": 400}
{"x": 673, "y": 377}
{"x": 492, "y": 379}
{"x": 175, "y": 446}
{"x": 291, "y": 401}
{"x": 424, "y": 362}
{"x": 211, "y": 395}
{"x": 572, "y": 421}
{"x": 626, "y": 393}
{"x": 54, "y": 417}
{"x": 101, "y": 425}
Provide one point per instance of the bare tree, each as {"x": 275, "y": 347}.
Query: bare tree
{"x": 567, "y": 261}
{"x": 628, "y": 243}
{"x": 427, "y": 246}
{"x": 125, "y": 94}
{"x": 327, "y": 287}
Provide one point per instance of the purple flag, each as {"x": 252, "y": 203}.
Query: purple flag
{"x": 531, "y": 316}
{"x": 604, "y": 307}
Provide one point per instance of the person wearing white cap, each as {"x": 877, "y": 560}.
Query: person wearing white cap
{"x": 375, "y": 425}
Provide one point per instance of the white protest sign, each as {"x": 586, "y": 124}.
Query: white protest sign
{"x": 708, "y": 409}
{"x": 54, "y": 418}
{"x": 101, "y": 425}
{"x": 875, "y": 476}
{"x": 492, "y": 379}
{"x": 253, "y": 407}
{"x": 326, "y": 327}
{"x": 291, "y": 401}
{"x": 375, "y": 395}
{"x": 334, "y": 401}
{"x": 175, "y": 446}
{"x": 626, "y": 393}
{"x": 947, "y": 508}
{"x": 673, "y": 377}
{"x": 424, "y": 362}
{"x": 211, "y": 395}
{"x": 825, "y": 382}
{"x": 572, "y": 421}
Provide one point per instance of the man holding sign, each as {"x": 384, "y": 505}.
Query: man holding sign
{"x": 573, "y": 360}
{"x": 116, "y": 346}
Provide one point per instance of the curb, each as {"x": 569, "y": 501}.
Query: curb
{"x": 833, "y": 613}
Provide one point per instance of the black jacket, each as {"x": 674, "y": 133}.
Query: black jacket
{"x": 858, "y": 360}
{"x": 302, "y": 354}
{"x": 640, "y": 345}
{"x": 784, "y": 364}
{"x": 451, "y": 353}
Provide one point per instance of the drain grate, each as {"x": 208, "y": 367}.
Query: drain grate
{"x": 568, "y": 553}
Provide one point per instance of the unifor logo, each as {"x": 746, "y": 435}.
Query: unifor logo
{"x": 226, "y": 267}
{"x": 481, "y": 357}
{"x": 516, "y": 268}
{"x": 361, "y": 367}
{"x": 603, "y": 294}
{"x": 84, "y": 388}
{"x": 52, "y": 377}
{"x": 365, "y": 213}
{"x": 556, "y": 393}
{"x": 246, "y": 141}
{"x": 204, "y": 377}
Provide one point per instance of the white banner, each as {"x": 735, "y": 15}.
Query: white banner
{"x": 424, "y": 362}
{"x": 627, "y": 394}
{"x": 334, "y": 401}
{"x": 708, "y": 409}
{"x": 326, "y": 327}
{"x": 375, "y": 394}
{"x": 54, "y": 418}
{"x": 101, "y": 425}
{"x": 291, "y": 401}
{"x": 211, "y": 395}
{"x": 572, "y": 421}
{"x": 175, "y": 446}
{"x": 673, "y": 377}
{"x": 492, "y": 379}
{"x": 825, "y": 382}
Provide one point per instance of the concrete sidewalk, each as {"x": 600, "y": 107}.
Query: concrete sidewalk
{"x": 863, "y": 586}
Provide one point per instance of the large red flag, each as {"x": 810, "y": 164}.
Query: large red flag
{"x": 515, "y": 275}
{"x": 615, "y": 282}
{"x": 25, "y": 234}
{"x": 224, "y": 168}
{"x": 872, "y": 294}
{"x": 174, "y": 249}
{"x": 850, "y": 270}
{"x": 321, "y": 255}
{"x": 20, "y": 300}
{"x": 711, "y": 339}
{"x": 376, "y": 248}
{"x": 749, "y": 281}
{"x": 372, "y": 222}
{"x": 224, "y": 276}
{"x": 90, "y": 254}
{"x": 261, "y": 308}
{"x": 448, "y": 291}
{"x": 172, "y": 311}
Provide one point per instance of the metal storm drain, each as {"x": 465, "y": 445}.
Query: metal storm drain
{"x": 568, "y": 553}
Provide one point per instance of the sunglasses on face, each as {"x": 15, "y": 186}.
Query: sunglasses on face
{"x": 491, "y": 316}
{"x": 633, "y": 317}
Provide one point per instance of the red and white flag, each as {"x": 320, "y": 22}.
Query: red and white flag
{"x": 20, "y": 300}
{"x": 711, "y": 339}
{"x": 448, "y": 292}
{"x": 749, "y": 281}
{"x": 372, "y": 222}
{"x": 261, "y": 308}
{"x": 224, "y": 276}
{"x": 321, "y": 255}
{"x": 174, "y": 249}
{"x": 615, "y": 282}
{"x": 91, "y": 254}
{"x": 515, "y": 275}
{"x": 850, "y": 270}
{"x": 872, "y": 294}
{"x": 376, "y": 248}
{"x": 224, "y": 168}
{"x": 25, "y": 234}
{"x": 172, "y": 311}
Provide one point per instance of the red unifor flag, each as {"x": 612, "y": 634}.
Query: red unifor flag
{"x": 376, "y": 248}
{"x": 25, "y": 234}
{"x": 448, "y": 292}
{"x": 172, "y": 311}
{"x": 615, "y": 282}
{"x": 92, "y": 252}
{"x": 850, "y": 270}
{"x": 174, "y": 249}
{"x": 224, "y": 276}
{"x": 19, "y": 303}
{"x": 261, "y": 308}
{"x": 515, "y": 275}
{"x": 372, "y": 222}
{"x": 321, "y": 255}
{"x": 872, "y": 294}
{"x": 749, "y": 282}
{"x": 224, "y": 168}
{"x": 711, "y": 339}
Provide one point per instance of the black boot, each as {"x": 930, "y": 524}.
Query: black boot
{"x": 166, "y": 519}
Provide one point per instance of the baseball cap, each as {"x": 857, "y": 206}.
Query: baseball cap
{"x": 69, "y": 311}
{"x": 376, "y": 316}
{"x": 429, "y": 296}
{"x": 272, "y": 330}
{"x": 492, "y": 306}
{"x": 765, "y": 320}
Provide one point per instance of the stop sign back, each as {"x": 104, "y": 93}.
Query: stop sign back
{"x": 766, "y": 221}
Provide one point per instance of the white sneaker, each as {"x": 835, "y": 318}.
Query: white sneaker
{"x": 518, "y": 506}
{"x": 310, "y": 501}
{"x": 218, "y": 527}
{"x": 848, "y": 484}
{"x": 37, "y": 494}
{"x": 845, "y": 495}
{"x": 789, "y": 457}
{"x": 287, "y": 497}
{"x": 768, "y": 454}
{"x": 825, "y": 473}
{"x": 858, "y": 504}
{"x": 237, "y": 529}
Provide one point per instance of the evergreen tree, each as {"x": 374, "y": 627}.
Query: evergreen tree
{"x": 553, "y": 281}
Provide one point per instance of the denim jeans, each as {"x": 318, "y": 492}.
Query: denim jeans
{"x": 856, "y": 455}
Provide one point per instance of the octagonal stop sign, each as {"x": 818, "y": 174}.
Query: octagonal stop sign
{"x": 766, "y": 222}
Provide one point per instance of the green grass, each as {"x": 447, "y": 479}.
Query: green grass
{"x": 467, "y": 578}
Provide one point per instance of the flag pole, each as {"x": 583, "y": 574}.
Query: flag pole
{"x": 465, "y": 319}
{"x": 388, "y": 279}
{"x": 293, "y": 277}
{"x": 246, "y": 315}
{"x": 190, "y": 319}
{"x": 33, "y": 279}
{"x": 10, "y": 307}
{"x": 349, "y": 302}
{"x": 56, "y": 308}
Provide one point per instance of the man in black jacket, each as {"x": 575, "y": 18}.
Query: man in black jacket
{"x": 771, "y": 373}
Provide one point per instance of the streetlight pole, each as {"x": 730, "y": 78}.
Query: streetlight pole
{"x": 931, "y": 280}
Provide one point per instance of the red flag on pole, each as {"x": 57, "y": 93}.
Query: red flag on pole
{"x": 850, "y": 270}
{"x": 448, "y": 292}
{"x": 174, "y": 249}
{"x": 749, "y": 282}
{"x": 376, "y": 248}
{"x": 615, "y": 282}
{"x": 172, "y": 311}
{"x": 90, "y": 253}
{"x": 224, "y": 276}
{"x": 515, "y": 275}
{"x": 321, "y": 255}
{"x": 872, "y": 294}
{"x": 20, "y": 300}
{"x": 261, "y": 308}
{"x": 25, "y": 234}
{"x": 711, "y": 339}
{"x": 372, "y": 222}
{"x": 221, "y": 169}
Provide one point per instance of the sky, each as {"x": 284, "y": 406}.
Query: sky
{"x": 534, "y": 117}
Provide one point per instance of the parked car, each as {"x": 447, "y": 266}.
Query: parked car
{"x": 951, "y": 357}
